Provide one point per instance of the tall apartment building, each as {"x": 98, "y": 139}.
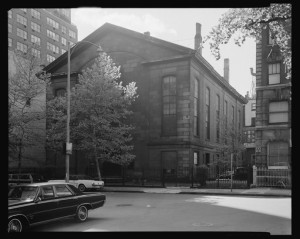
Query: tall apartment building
{"x": 49, "y": 29}
{"x": 273, "y": 106}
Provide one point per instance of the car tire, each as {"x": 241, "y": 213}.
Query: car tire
{"x": 81, "y": 187}
{"x": 15, "y": 225}
{"x": 82, "y": 214}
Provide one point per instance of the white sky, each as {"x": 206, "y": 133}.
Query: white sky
{"x": 177, "y": 25}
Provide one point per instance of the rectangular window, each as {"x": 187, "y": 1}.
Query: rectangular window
{"x": 52, "y": 35}
{"x": 63, "y": 41}
{"x": 21, "y": 47}
{"x": 232, "y": 108}
{"x": 36, "y": 53}
{"x": 218, "y": 119}
{"x": 50, "y": 58}
{"x": 21, "y": 33}
{"x": 253, "y": 106}
{"x": 52, "y": 23}
{"x": 53, "y": 48}
{"x": 21, "y": 20}
{"x": 207, "y": 113}
{"x": 9, "y": 42}
{"x": 207, "y": 159}
{"x": 9, "y": 28}
{"x": 72, "y": 34}
{"x": 278, "y": 154}
{"x": 36, "y": 40}
{"x": 9, "y": 14}
{"x": 196, "y": 107}
{"x": 252, "y": 121}
{"x": 35, "y": 27}
{"x": 169, "y": 105}
{"x": 63, "y": 29}
{"x": 278, "y": 112}
{"x": 35, "y": 14}
{"x": 274, "y": 73}
{"x": 196, "y": 158}
{"x": 225, "y": 121}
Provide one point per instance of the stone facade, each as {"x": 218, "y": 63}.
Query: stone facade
{"x": 147, "y": 60}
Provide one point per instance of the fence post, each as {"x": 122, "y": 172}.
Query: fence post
{"x": 254, "y": 175}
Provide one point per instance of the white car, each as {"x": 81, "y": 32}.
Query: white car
{"x": 83, "y": 182}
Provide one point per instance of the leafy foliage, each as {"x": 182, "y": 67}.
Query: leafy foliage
{"x": 100, "y": 106}
{"x": 241, "y": 23}
{"x": 26, "y": 108}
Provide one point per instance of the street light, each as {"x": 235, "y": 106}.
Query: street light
{"x": 68, "y": 144}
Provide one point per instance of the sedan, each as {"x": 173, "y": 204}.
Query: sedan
{"x": 83, "y": 182}
{"x": 37, "y": 203}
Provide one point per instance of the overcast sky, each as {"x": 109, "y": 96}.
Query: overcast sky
{"x": 177, "y": 26}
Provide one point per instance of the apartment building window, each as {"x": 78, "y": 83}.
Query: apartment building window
{"x": 50, "y": 58}
{"x": 218, "y": 119}
{"x": 53, "y": 48}
{"x": 253, "y": 106}
{"x": 64, "y": 41}
{"x": 21, "y": 33}
{"x": 232, "y": 108}
{"x": 65, "y": 12}
{"x": 278, "y": 112}
{"x": 35, "y": 27}
{"x": 9, "y": 28}
{"x": 9, "y": 42}
{"x": 196, "y": 107}
{"x": 36, "y": 40}
{"x": 9, "y": 14}
{"x": 52, "y": 35}
{"x": 169, "y": 105}
{"x": 35, "y": 14}
{"x": 196, "y": 158}
{"x": 278, "y": 153}
{"x": 252, "y": 121}
{"x": 239, "y": 120}
{"x": 63, "y": 51}
{"x": 72, "y": 34}
{"x": 207, "y": 113}
{"x": 52, "y": 23}
{"x": 36, "y": 53}
{"x": 21, "y": 47}
{"x": 274, "y": 73}
{"x": 225, "y": 120}
{"x": 22, "y": 20}
{"x": 63, "y": 29}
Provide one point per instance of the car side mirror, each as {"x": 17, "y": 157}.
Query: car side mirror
{"x": 38, "y": 199}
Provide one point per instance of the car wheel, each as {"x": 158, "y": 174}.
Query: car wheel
{"x": 15, "y": 225}
{"x": 81, "y": 188}
{"x": 82, "y": 214}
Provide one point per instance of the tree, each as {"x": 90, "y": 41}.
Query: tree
{"x": 26, "y": 103}
{"x": 241, "y": 23}
{"x": 100, "y": 107}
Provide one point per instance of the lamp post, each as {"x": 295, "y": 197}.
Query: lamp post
{"x": 68, "y": 144}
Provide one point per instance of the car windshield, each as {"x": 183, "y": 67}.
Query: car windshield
{"x": 23, "y": 193}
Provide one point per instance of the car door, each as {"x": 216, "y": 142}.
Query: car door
{"x": 46, "y": 208}
{"x": 67, "y": 200}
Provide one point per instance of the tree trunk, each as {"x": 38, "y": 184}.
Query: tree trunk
{"x": 20, "y": 156}
{"x": 97, "y": 164}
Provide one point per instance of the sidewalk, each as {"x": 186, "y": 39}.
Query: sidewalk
{"x": 274, "y": 192}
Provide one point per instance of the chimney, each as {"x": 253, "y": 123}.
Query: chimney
{"x": 147, "y": 34}
{"x": 198, "y": 38}
{"x": 226, "y": 69}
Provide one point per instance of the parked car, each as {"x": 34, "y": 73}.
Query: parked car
{"x": 83, "y": 182}
{"x": 226, "y": 175}
{"x": 24, "y": 178}
{"x": 37, "y": 203}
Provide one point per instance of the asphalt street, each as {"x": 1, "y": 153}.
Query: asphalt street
{"x": 182, "y": 212}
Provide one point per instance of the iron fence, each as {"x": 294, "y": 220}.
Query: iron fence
{"x": 273, "y": 177}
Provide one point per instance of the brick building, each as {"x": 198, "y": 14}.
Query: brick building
{"x": 182, "y": 101}
{"x": 273, "y": 106}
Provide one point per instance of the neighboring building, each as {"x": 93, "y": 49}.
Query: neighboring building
{"x": 182, "y": 105}
{"x": 273, "y": 106}
{"x": 49, "y": 30}
{"x": 249, "y": 130}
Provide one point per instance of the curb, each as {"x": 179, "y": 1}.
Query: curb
{"x": 203, "y": 193}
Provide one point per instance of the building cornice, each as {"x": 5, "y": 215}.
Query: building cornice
{"x": 272, "y": 87}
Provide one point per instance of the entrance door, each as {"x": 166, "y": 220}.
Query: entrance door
{"x": 169, "y": 168}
